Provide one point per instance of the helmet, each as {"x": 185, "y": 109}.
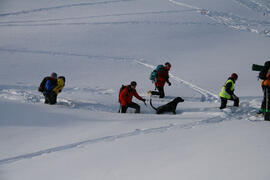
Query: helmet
{"x": 54, "y": 75}
{"x": 234, "y": 76}
{"x": 133, "y": 83}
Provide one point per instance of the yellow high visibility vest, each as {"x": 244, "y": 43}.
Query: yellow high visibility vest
{"x": 223, "y": 93}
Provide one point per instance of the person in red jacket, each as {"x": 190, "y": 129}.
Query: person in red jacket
{"x": 162, "y": 78}
{"x": 125, "y": 98}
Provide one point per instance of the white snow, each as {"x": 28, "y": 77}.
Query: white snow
{"x": 98, "y": 45}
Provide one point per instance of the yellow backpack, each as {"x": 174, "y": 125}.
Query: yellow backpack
{"x": 60, "y": 85}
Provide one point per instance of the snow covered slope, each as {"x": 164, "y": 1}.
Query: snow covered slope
{"x": 98, "y": 45}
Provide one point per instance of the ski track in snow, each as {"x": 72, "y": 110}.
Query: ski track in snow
{"x": 243, "y": 112}
{"x": 232, "y": 21}
{"x": 255, "y": 6}
{"x": 97, "y": 16}
{"x": 61, "y": 7}
{"x": 109, "y": 23}
{"x": 55, "y": 53}
{"x": 205, "y": 95}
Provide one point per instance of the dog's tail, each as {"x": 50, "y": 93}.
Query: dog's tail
{"x": 152, "y": 105}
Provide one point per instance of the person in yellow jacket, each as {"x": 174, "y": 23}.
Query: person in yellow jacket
{"x": 227, "y": 92}
{"x": 57, "y": 89}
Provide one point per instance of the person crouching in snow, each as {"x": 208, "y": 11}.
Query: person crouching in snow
{"x": 227, "y": 92}
{"x": 125, "y": 98}
{"x": 46, "y": 87}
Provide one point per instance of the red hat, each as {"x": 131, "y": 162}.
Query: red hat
{"x": 234, "y": 76}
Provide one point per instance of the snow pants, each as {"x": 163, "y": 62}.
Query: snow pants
{"x": 266, "y": 99}
{"x": 224, "y": 102}
{"x": 50, "y": 97}
{"x": 160, "y": 92}
{"x": 131, "y": 105}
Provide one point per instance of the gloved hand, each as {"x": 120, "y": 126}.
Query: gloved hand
{"x": 169, "y": 83}
{"x": 234, "y": 97}
{"x": 143, "y": 100}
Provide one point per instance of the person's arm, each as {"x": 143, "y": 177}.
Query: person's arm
{"x": 138, "y": 96}
{"x": 228, "y": 88}
{"x": 167, "y": 79}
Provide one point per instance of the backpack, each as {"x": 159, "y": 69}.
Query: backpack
{"x": 121, "y": 89}
{"x": 154, "y": 74}
{"x": 42, "y": 84}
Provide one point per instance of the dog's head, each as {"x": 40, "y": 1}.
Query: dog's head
{"x": 178, "y": 99}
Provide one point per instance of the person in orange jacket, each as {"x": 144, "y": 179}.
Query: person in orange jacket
{"x": 125, "y": 98}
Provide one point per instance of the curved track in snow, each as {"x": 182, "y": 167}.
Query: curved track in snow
{"x": 232, "y": 21}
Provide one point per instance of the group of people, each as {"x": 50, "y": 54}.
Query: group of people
{"x": 162, "y": 77}
{"x": 128, "y": 91}
{"x": 51, "y": 86}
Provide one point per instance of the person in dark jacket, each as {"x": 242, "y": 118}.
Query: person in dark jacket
{"x": 162, "y": 78}
{"x": 46, "y": 87}
{"x": 264, "y": 76}
{"x": 125, "y": 98}
{"x": 227, "y": 92}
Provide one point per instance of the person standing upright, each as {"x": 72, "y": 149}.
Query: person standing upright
{"x": 264, "y": 76}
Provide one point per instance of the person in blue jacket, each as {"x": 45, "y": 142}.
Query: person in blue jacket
{"x": 46, "y": 87}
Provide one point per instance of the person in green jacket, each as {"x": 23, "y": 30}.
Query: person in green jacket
{"x": 227, "y": 92}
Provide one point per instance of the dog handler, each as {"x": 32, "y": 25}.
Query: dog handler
{"x": 125, "y": 98}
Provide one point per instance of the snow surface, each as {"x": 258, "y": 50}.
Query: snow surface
{"x": 98, "y": 45}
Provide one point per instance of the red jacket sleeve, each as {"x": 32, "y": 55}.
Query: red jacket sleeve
{"x": 137, "y": 95}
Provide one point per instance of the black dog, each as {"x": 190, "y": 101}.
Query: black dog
{"x": 169, "y": 107}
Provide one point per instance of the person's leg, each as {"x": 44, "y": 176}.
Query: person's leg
{"x": 267, "y": 103}
{"x": 135, "y": 106}
{"x": 236, "y": 102}
{"x": 267, "y": 112}
{"x": 155, "y": 92}
{"x": 263, "y": 105}
{"x": 53, "y": 98}
{"x": 223, "y": 103}
{"x": 123, "y": 109}
{"x": 161, "y": 91}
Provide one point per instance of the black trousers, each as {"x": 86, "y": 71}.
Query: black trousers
{"x": 266, "y": 98}
{"x": 131, "y": 105}
{"x": 50, "y": 98}
{"x": 224, "y": 102}
{"x": 160, "y": 92}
